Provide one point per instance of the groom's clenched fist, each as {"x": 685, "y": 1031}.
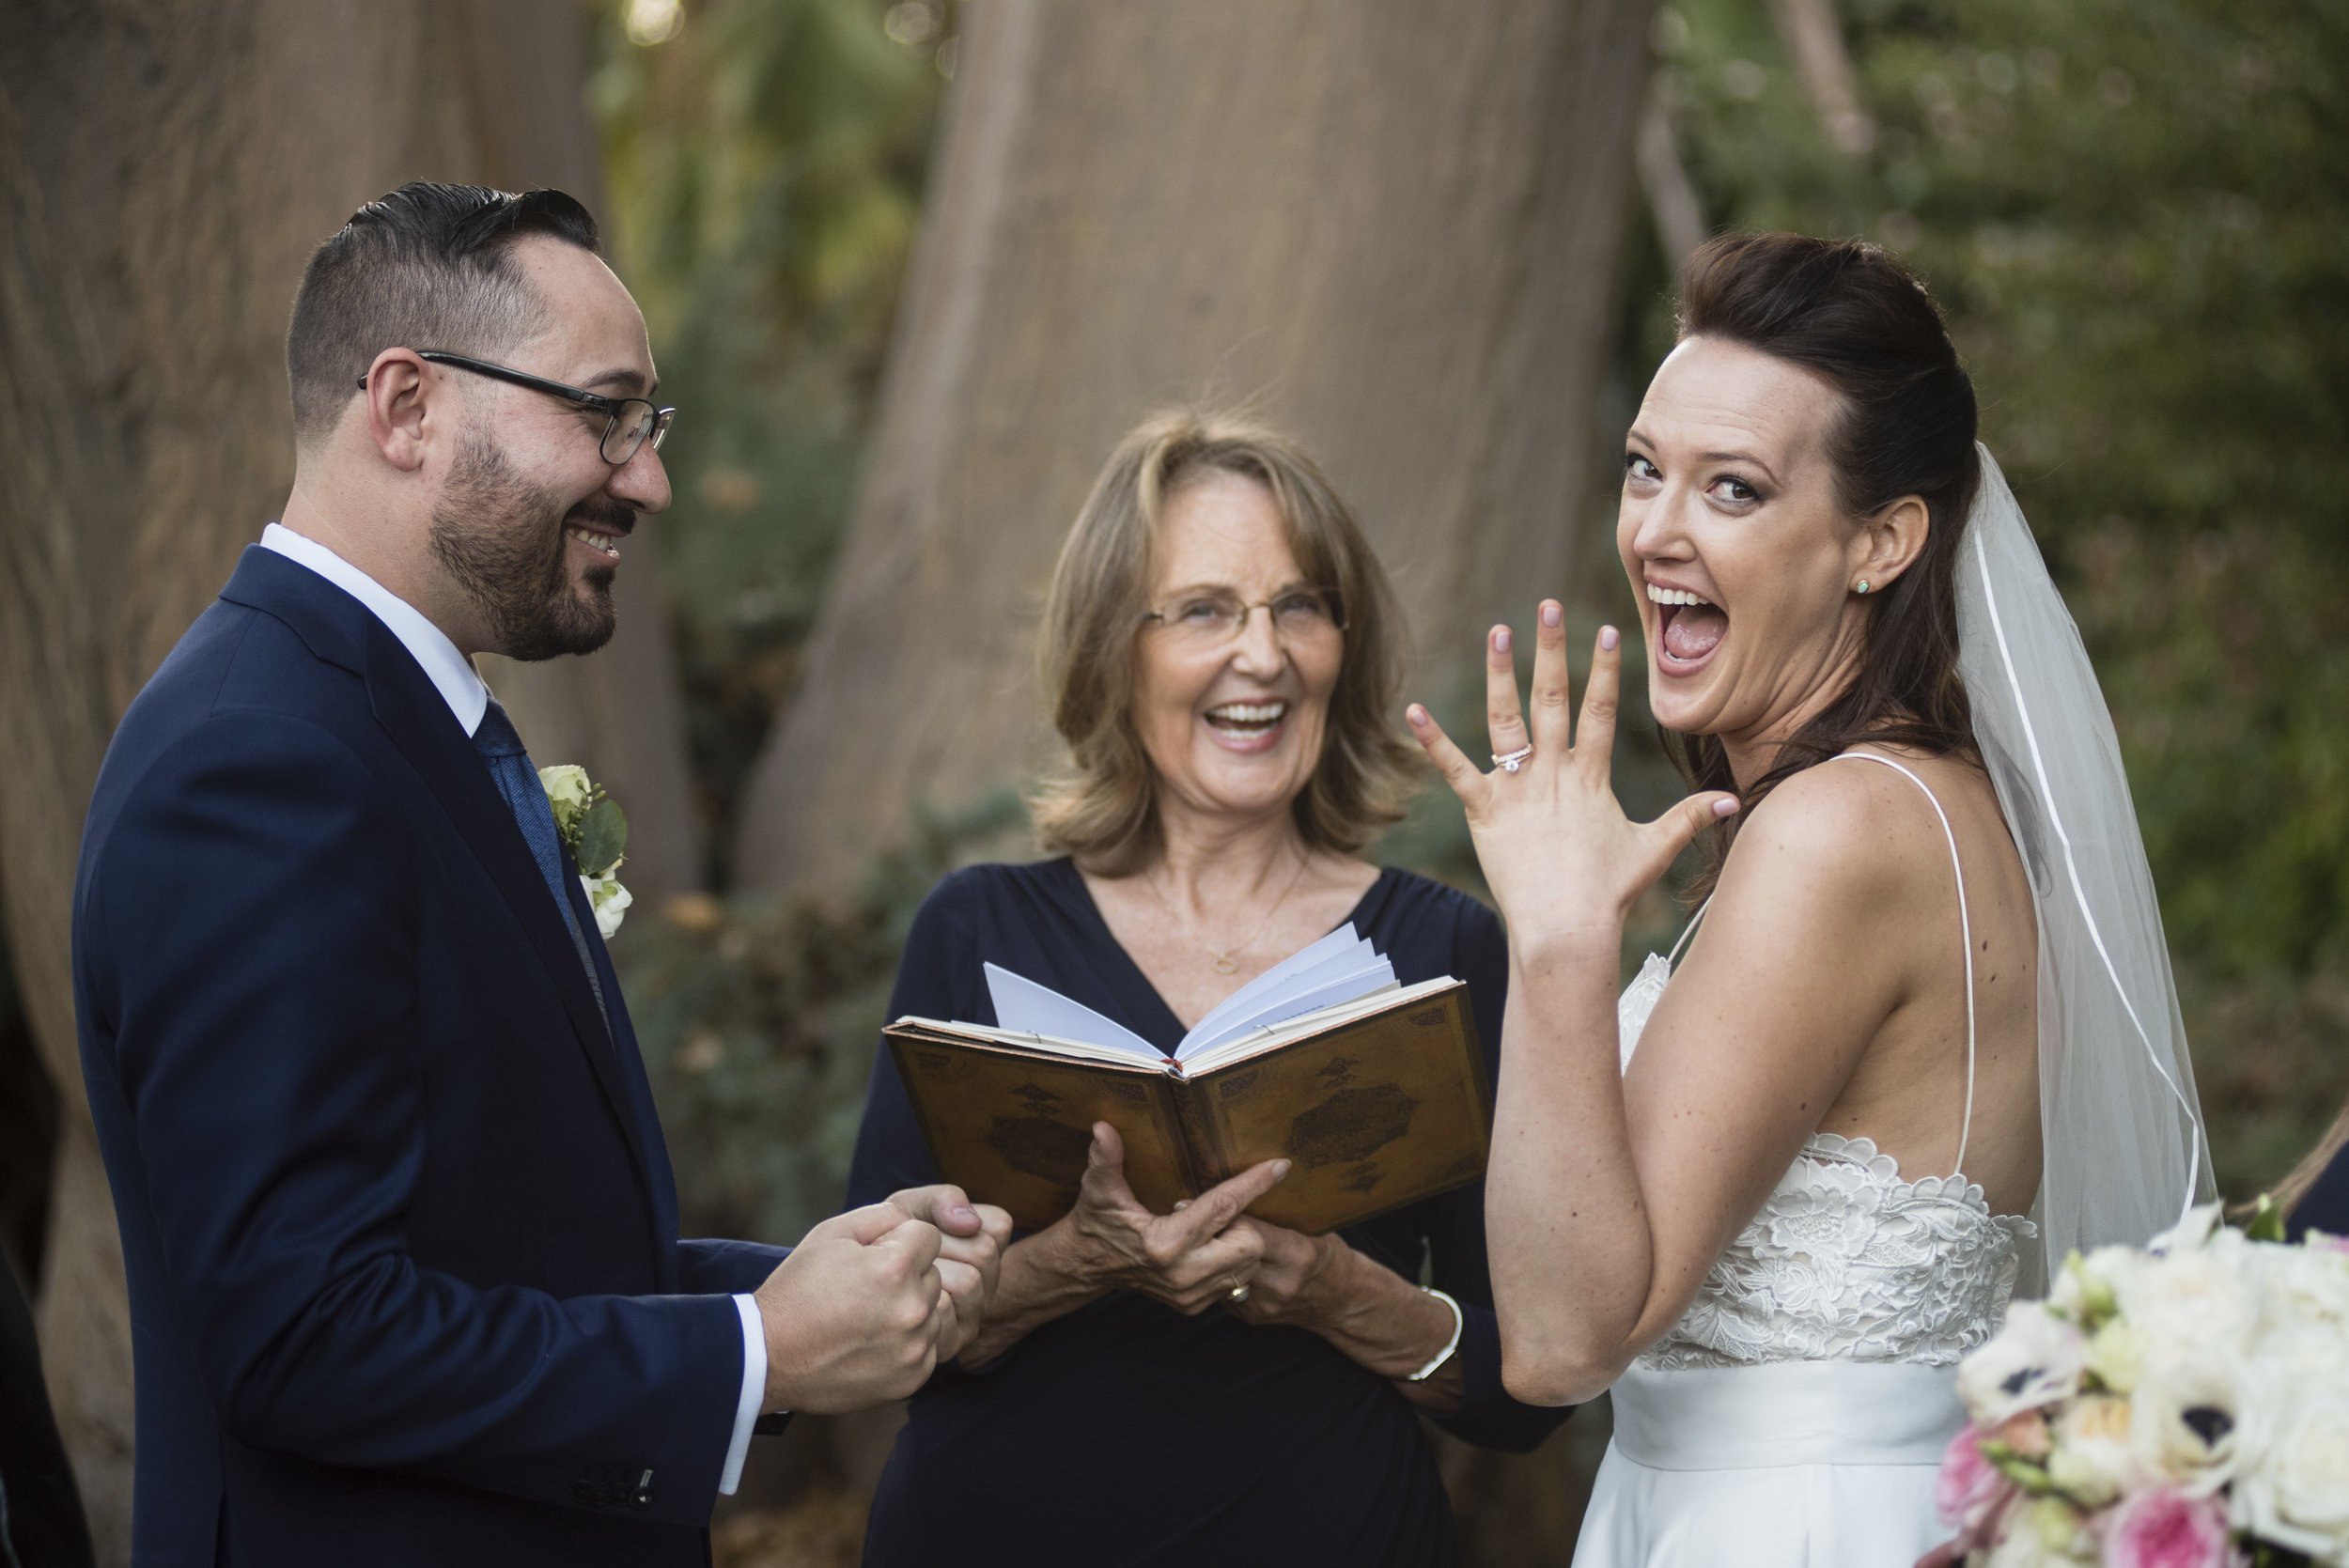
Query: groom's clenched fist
{"x": 871, "y": 1301}
{"x": 972, "y": 1239}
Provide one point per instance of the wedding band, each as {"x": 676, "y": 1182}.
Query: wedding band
{"x": 1240, "y": 1293}
{"x": 1510, "y": 762}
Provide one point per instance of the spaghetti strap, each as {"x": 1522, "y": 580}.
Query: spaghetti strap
{"x": 1688, "y": 930}
{"x": 1965, "y": 932}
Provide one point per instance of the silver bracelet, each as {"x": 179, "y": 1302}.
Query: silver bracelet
{"x": 1451, "y": 1346}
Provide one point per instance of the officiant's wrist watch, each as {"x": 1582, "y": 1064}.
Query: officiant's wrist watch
{"x": 1451, "y": 1346}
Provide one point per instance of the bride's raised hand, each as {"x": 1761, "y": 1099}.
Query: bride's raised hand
{"x": 1562, "y": 859}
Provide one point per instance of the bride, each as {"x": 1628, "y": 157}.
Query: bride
{"x": 1924, "y": 1037}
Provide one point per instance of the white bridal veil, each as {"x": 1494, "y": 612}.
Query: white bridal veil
{"x": 2125, "y": 1155}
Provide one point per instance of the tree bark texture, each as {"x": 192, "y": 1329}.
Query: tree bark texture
{"x": 166, "y": 168}
{"x": 1388, "y": 227}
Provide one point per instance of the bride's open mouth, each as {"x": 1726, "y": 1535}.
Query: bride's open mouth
{"x": 1248, "y": 727}
{"x": 1689, "y": 629}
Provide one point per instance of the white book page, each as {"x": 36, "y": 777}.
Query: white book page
{"x": 1336, "y": 946}
{"x": 1266, "y": 1039}
{"x": 1327, "y": 985}
{"x": 1022, "y": 1007}
{"x": 1075, "y": 1050}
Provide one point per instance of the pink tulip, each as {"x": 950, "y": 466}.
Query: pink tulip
{"x": 2166, "y": 1528}
{"x": 1969, "y": 1491}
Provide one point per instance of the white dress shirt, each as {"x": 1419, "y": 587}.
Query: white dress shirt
{"x": 468, "y": 697}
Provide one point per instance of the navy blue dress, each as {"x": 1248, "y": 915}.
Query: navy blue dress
{"x": 1126, "y": 1433}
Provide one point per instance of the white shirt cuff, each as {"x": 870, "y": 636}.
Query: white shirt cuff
{"x": 754, "y": 1387}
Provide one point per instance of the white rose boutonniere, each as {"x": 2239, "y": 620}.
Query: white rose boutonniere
{"x": 595, "y": 831}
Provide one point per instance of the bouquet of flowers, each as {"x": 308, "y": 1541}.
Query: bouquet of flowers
{"x": 2184, "y": 1406}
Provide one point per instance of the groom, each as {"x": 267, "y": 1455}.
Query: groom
{"x": 398, "y": 1221}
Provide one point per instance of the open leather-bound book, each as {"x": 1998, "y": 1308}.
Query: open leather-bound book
{"x": 1376, "y": 1091}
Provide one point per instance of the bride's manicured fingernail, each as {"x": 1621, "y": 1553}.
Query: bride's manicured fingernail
{"x": 1500, "y": 638}
{"x": 1553, "y": 615}
{"x": 1725, "y": 808}
{"x": 1415, "y": 715}
{"x": 1608, "y": 637}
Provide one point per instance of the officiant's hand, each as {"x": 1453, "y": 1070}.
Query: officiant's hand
{"x": 1299, "y": 1279}
{"x": 1563, "y": 860}
{"x": 972, "y": 1239}
{"x": 1376, "y": 1317}
{"x": 1190, "y": 1259}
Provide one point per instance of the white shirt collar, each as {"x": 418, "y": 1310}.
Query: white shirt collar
{"x": 451, "y": 674}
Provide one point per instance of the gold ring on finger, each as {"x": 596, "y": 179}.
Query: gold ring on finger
{"x": 1509, "y": 762}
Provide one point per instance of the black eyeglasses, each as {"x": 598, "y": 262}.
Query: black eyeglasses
{"x": 633, "y": 420}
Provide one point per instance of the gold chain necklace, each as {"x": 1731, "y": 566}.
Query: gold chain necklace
{"x": 1227, "y": 958}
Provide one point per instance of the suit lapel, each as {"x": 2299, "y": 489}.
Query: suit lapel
{"x": 419, "y": 722}
{"x": 660, "y": 1180}
{"x": 339, "y": 630}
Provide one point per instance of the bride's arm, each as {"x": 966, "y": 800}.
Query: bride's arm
{"x": 1607, "y": 1200}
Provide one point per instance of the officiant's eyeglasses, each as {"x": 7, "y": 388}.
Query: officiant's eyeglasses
{"x": 631, "y": 421}
{"x": 1210, "y": 618}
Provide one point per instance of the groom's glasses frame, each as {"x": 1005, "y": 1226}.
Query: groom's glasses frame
{"x": 633, "y": 421}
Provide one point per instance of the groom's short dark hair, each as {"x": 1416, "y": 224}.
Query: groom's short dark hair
{"x": 429, "y": 266}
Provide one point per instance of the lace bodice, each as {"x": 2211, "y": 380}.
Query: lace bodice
{"x": 1846, "y": 1260}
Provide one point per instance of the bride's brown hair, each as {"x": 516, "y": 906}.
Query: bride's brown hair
{"x": 1847, "y": 312}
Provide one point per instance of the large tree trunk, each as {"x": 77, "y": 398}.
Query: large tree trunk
{"x": 166, "y": 166}
{"x": 1390, "y": 227}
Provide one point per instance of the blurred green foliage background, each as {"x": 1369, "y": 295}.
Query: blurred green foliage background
{"x": 2131, "y": 210}
{"x": 763, "y": 166}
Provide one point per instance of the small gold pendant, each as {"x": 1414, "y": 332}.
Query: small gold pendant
{"x": 1226, "y": 964}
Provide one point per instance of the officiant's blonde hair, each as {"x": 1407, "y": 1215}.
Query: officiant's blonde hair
{"x": 1102, "y": 806}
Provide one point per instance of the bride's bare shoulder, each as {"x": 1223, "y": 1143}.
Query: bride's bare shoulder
{"x": 1845, "y": 831}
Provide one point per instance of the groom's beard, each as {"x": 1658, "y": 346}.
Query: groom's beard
{"x": 501, "y": 537}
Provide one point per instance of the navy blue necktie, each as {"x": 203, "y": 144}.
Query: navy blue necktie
{"x": 518, "y": 781}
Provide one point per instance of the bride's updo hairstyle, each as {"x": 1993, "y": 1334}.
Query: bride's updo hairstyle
{"x": 1847, "y": 312}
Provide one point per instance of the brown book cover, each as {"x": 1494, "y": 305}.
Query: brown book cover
{"x": 1378, "y": 1103}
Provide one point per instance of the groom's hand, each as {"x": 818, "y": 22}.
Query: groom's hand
{"x": 856, "y": 1314}
{"x": 969, "y": 1253}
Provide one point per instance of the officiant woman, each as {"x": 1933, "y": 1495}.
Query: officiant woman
{"x": 1222, "y": 655}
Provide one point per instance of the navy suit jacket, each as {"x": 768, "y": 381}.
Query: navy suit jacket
{"x": 398, "y": 1221}
{"x": 2325, "y": 1206}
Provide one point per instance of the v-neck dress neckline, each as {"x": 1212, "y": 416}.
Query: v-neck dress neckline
{"x": 1166, "y": 1025}
{"x": 1290, "y": 1451}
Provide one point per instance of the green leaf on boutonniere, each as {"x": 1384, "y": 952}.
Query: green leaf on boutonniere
{"x": 603, "y": 837}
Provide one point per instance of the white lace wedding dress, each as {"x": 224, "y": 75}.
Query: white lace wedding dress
{"x": 1794, "y": 1417}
